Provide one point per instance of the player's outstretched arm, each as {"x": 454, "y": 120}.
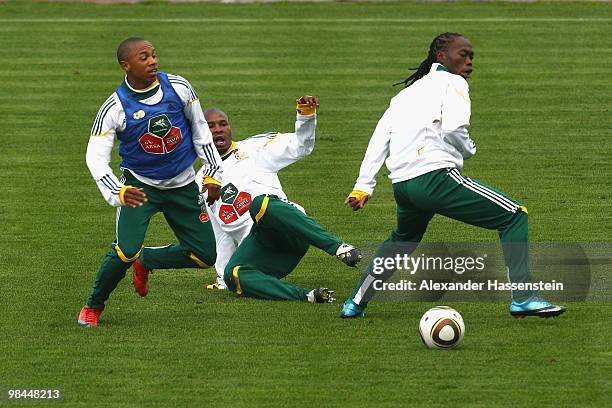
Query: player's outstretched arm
{"x": 287, "y": 148}
{"x": 376, "y": 153}
{"x": 307, "y": 105}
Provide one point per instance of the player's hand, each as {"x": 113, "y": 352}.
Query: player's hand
{"x": 134, "y": 197}
{"x": 214, "y": 192}
{"x": 357, "y": 199}
{"x": 307, "y": 105}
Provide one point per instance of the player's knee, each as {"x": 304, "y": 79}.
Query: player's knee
{"x": 515, "y": 228}
{"x": 204, "y": 259}
{"x": 397, "y": 236}
{"x": 128, "y": 253}
{"x": 520, "y": 218}
{"x": 228, "y": 278}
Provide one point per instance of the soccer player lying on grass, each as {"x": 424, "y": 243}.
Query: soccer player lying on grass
{"x": 273, "y": 234}
{"x": 424, "y": 134}
{"x": 161, "y": 131}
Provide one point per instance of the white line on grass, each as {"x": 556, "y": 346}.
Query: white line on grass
{"x": 310, "y": 20}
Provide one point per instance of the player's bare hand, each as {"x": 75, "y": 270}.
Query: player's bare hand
{"x": 214, "y": 192}
{"x": 307, "y": 104}
{"x": 357, "y": 200}
{"x": 134, "y": 197}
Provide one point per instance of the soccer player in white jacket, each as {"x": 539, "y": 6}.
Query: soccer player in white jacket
{"x": 424, "y": 138}
{"x": 272, "y": 233}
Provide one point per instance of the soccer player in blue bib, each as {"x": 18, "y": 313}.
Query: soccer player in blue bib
{"x": 423, "y": 137}
{"x": 161, "y": 129}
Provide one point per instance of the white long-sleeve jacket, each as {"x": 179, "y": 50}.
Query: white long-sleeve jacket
{"x": 111, "y": 119}
{"x": 425, "y": 128}
{"x": 250, "y": 168}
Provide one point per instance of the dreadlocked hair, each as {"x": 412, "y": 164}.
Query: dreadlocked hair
{"x": 439, "y": 43}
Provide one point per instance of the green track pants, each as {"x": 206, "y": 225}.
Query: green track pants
{"x": 278, "y": 240}
{"x": 447, "y": 192}
{"x": 180, "y": 207}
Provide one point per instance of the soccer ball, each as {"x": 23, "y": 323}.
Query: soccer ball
{"x": 441, "y": 327}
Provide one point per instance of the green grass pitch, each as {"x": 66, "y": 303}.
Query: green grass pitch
{"x": 541, "y": 118}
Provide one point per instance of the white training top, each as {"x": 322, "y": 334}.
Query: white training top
{"x": 250, "y": 169}
{"x": 111, "y": 118}
{"x": 424, "y": 129}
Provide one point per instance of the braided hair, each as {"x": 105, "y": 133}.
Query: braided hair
{"x": 439, "y": 43}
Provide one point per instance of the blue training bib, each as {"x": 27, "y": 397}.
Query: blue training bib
{"x": 156, "y": 142}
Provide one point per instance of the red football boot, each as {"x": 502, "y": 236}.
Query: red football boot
{"x": 89, "y": 316}
{"x": 141, "y": 278}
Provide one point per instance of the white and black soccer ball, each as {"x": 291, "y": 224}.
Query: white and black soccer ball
{"x": 441, "y": 327}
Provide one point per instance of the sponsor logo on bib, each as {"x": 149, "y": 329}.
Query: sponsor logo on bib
{"x": 229, "y": 193}
{"x": 235, "y": 203}
{"x": 242, "y": 202}
{"x": 162, "y": 137}
{"x": 227, "y": 214}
